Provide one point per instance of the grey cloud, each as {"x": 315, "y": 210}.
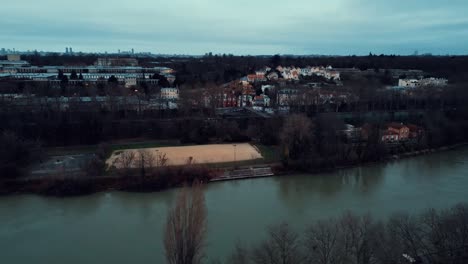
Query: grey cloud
{"x": 244, "y": 27}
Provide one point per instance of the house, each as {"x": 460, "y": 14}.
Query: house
{"x": 400, "y": 129}
{"x": 295, "y": 74}
{"x": 306, "y": 71}
{"x": 272, "y": 75}
{"x": 434, "y": 81}
{"x": 415, "y": 131}
{"x": 239, "y": 97}
{"x": 332, "y": 75}
{"x": 291, "y": 73}
{"x": 8, "y": 63}
{"x": 413, "y": 83}
{"x": 170, "y": 93}
{"x": 317, "y": 70}
{"x": 267, "y": 88}
{"x": 286, "y": 96}
{"x": 252, "y": 78}
{"x": 394, "y": 132}
{"x": 229, "y": 98}
{"x": 261, "y": 72}
{"x": 129, "y": 82}
{"x": 390, "y": 136}
{"x": 261, "y": 101}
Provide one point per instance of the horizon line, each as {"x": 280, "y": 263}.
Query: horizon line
{"x": 7, "y": 51}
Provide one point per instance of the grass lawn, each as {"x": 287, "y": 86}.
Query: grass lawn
{"x": 145, "y": 144}
{"x": 240, "y": 163}
{"x": 86, "y": 149}
{"x": 73, "y": 150}
{"x": 270, "y": 153}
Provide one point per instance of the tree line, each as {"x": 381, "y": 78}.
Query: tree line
{"x": 433, "y": 236}
{"x": 221, "y": 68}
{"x": 314, "y": 143}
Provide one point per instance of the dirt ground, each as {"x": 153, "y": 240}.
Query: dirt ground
{"x": 200, "y": 154}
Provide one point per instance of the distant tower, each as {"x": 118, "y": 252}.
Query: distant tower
{"x": 119, "y": 51}
{"x": 66, "y": 50}
{"x": 71, "y": 50}
{"x": 133, "y": 52}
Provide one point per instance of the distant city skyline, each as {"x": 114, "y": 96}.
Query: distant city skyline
{"x": 335, "y": 27}
{"x": 69, "y": 50}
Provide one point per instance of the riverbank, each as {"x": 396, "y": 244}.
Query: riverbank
{"x": 278, "y": 171}
{"x": 151, "y": 181}
{"x": 281, "y": 171}
{"x": 172, "y": 177}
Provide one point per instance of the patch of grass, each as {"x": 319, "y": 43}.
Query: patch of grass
{"x": 118, "y": 148}
{"x": 270, "y": 153}
{"x": 74, "y": 150}
{"x": 145, "y": 144}
{"x": 88, "y": 149}
{"x": 240, "y": 163}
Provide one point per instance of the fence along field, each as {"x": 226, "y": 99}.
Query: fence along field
{"x": 199, "y": 154}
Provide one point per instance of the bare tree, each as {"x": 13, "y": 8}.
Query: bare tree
{"x": 161, "y": 159}
{"x": 146, "y": 161}
{"x": 215, "y": 96}
{"x": 240, "y": 255}
{"x": 445, "y": 235}
{"x": 407, "y": 233}
{"x": 190, "y": 100}
{"x": 357, "y": 239}
{"x": 296, "y": 136}
{"x": 321, "y": 242}
{"x": 282, "y": 247}
{"x": 431, "y": 237}
{"x": 125, "y": 161}
{"x": 184, "y": 237}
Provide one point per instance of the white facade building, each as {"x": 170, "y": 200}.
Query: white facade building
{"x": 170, "y": 93}
{"x": 413, "y": 83}
{"x": 408, "y": 83}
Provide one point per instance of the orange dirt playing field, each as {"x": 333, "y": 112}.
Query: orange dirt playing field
{"x": 200, "y": 154}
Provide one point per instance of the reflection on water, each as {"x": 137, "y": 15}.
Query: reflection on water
{"x": 325, "y": 187}
{"x": 120, "y": 227}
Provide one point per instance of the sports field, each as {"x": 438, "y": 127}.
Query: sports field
{"x": 199, "y": 154}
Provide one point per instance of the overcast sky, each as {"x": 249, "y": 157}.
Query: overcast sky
{"x": 238, "y": 26}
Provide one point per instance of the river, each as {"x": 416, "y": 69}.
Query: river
{"x": 119, "y": 227}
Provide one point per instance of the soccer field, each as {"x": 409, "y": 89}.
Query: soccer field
{"x": 199, "y": 154}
